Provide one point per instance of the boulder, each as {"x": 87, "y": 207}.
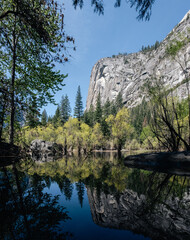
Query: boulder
{"x": 44, "y": 150}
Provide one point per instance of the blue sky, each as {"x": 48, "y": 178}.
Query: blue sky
{"x": 116, "y": 31}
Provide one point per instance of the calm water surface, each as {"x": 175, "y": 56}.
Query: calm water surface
{"x": 92, "y": 198}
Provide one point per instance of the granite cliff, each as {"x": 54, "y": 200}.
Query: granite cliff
{"x": 128, "y": 73}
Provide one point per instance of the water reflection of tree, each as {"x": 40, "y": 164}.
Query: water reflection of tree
{"x": 111, "y": 177}
{"x": 80, "y": 191}
{"x": 27, "y": 212}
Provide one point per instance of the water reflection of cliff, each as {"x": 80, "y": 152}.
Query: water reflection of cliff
{"x": 155, "y": 205}
{"x": 146, "y": 202}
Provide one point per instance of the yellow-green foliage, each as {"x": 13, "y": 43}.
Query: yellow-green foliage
{"x": 97, "y": 136}
{"x": 146, "y": 132}
{"x": 48, "y": 133}
{"x": 134, "y": 145}
{"x": 86, "y": 136}
{"x": 150, "y": 143}
{"x": 120, "y": 127}
{"x": 72, "y": 133}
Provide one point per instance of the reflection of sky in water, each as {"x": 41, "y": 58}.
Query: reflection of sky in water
{"x": 82, "y": 225}
{"x": 112, "y": 197}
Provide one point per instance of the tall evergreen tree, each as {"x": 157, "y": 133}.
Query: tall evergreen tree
{"x": 57, "y": 117}
{"x": 78, "y": 110}
{"x": 119, "y": 101}
{"x": 98, "y": 111}
{"x": 33, "y": 113}
{"x": 50, "y": 119}
{"x": 65, "y": 109}
{"x": 107, "y": 108}
{"x": 89, "y": 116}
{"x": 44, "y": 118}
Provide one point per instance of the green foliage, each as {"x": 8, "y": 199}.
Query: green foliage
{"x": 98, "y": 110}
{"x": 65, "y": 109}
{"x": 150, "y": 143}
{"x": 174, "y": 48}
{"x": 78, "y": 110}
{"x": 150, "y": 48}
{"x": 119, "y": 102}
{"x": 143, "y": 7}
{"x": 44, "y": 118}
{"x": 107, "y": 108}
{"x": 31, "y": 39}
{"x": 57, "y": 117}
{"x": 140, "y": 116}
{"x": 33, "y": 114}
{"x": 146, "y": 132}
{"x": 89, "y": 116}
{"x": 134, "y": 145}
{"x": 120, "y": 127}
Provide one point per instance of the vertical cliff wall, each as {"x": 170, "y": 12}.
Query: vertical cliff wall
{"x": 128, "y": 73}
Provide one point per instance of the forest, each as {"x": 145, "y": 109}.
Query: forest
{"x": 33, "y": 40}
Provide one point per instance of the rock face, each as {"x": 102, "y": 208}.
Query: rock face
{"x": 131, "y": 211}
{"x": 44, "y": 150}
{"x": 127, "y": 74}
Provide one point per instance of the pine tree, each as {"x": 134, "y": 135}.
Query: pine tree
{"x": 98, "y": 111}
{"x": 78, "y": 110}
{"x": 65, "y": 109}
{"x": 50, "y": 119}
{"x": 107, "y": 108}
{"x": 57, "y": 117}
{"x": 113, "y": 108}
{"x": 44, "y": 118}
{"x": 89, "y": 116}
{"x": 32, "y": 114}
{"x": 119, "y": 101}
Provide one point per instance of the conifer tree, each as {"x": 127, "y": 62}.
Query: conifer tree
{"x": 33, "y": 114}
{"x": 119, "y": 101}
{"x": 89, "y": 116}
{"x": 113, "y": 108}
{"x": 56, "y": 117}
{"x": 65, "y": 109}
{"x": 44, "y": 118}
{"x": 78, "y": 110}
{"x": 50, "y": 119}
{"x": 98, "y": 111}
{"x": 107, "y": 108}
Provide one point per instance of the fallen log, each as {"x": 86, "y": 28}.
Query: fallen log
{"x": 168, "y": 162}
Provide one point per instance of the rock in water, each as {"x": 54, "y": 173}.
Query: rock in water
{"x": 44, "y": 150}
{"x": 128, "y": 73}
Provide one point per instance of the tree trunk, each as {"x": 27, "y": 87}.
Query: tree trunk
{"x": 2, "y": 121}
{"x": 11, "y": 141}
{"x": 65, "y": 147}
{"x": 119, "y": 150}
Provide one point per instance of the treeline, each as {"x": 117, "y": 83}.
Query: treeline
{"x": 148, "y": 48}
{"x": 108, "y": 126}
{"x": 113, "y": 126}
